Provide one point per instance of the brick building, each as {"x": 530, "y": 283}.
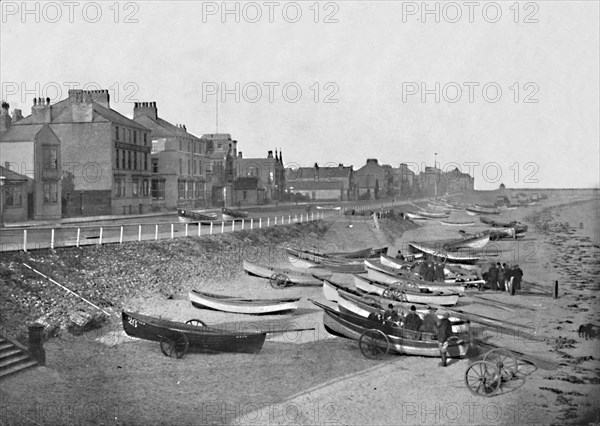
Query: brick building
{"x": 371, "y": 180}
{"x": 269, "y": 172}
{"x": 322, "y": 183}
{"x": 179, "y": 162}
{"x": 85, "y": 158}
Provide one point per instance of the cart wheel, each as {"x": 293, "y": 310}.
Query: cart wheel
{"x": 196, "y": 322}
{"x": 279, "y": 281}
{"x": 483, "y": 378}
{"x": 505, "y": 361}
{"x": 374, "y": 344}
{"x": 174, "y": 345}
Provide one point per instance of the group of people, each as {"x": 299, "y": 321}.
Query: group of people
{"x": 432, "y": 271}
{"x": 503, "y": 277}
{"x": 414, "y": 325}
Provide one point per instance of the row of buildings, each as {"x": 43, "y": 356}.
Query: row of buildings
{"x": 80, "y": 157}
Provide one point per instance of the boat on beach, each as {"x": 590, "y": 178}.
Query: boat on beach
{"x": 295, "y": 277}
{"x": 464, "y": 259}
{"x": 477, "y": 210}
{"x": 453, "y": 274}
{"x": 240, "y": 305}
{"x": 194, "y": 216}
{"x": 450, "y": 223}
{"x": 177, "y": 338}
{"x": 229, "y": 214}
{"x": 415, "y": 216}
{"x": 387, "y": 336}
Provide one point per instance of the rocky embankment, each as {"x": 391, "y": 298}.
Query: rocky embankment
{"x": 110, "y": 275}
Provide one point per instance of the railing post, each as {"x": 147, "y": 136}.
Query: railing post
{"x": 99, "y": 240}
{"x": 121, "y": 235}
{"x": 222, "y": 226}
{"x": 199, "y": 229}
{"x": 233, "y": 225}
{"x": 139, "y": 232}
{"x": 268, "y": 221}
{"x": 252, "y": 223}
{"x": 186, "y": 229}
{"x": 260, "y": 222}
{"x": 52, "y": 239}
{"x": 156, "y": 232}
{"x": 172, "y": 231}
{"x": 25, "y": 240}
{"x": 312, "y": 216}
{"x": 283, "y": 220}
{"x": 78, "y": 236}
{"x": 211, "y": 228}
{"x": 289, "y": 219}
{"x": 275, "y": 220}
{"x": 243, "y": 222}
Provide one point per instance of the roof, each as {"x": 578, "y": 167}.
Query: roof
{"x": 307, "y": 185}
{"x": 21, "y": 133}
{"x": 245, "y": 183}
{"x": 217, "y": 136}
{"x": 12, "y": 176}
{"x": 61, "y": 113}
{"x": 163, "y": 128}
{"x": 325, "y": 173}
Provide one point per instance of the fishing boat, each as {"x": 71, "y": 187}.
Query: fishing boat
{"x": 177, "y": 338}
{"x": 380, "y": 273}
{"x": 240, "y": 305}
{"x": 415, "y": 216}
{"x": 307, "y": 259}
{"x": 444, "y": 255}
{"x": 518, "y": 226}
{"x": 453, "y": 274}
{"x": 477, "y": 210}
{"x": 229, "y": 214}
{"x": 449, "y": 223}
{"x": 405, "y": 293}
{"x": 193, "y": 216}
{"x": 388, "y": 337}
{"x": 433, "y": 215}
{"x": 295, "y": 277}
{"x": 365, "y": 306}
{"x": 474, "y": 242}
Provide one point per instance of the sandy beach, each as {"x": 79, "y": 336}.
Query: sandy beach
{"x": 310, "y": 377}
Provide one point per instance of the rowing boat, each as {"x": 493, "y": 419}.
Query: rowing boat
{"x": 476, "y": 210}
{"x": 433, "y": 215}
{"x": 193, "y": 216}
{"x": 229, "y": 214}
{"x": 453, "y": 274}
{"x": 405, "y": 293}
{"x": 177, "y": 338}
{"x": 307, "y": 259}
{"x": 444, "y": 255}
{"x": 415, "y": 216}
{"x": 295, "y": 277}
{"x": 449, "y": 223}
{"x": 241, "y": 305}
{"x": 394, "y": 338}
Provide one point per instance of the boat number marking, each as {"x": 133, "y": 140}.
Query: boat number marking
{"x": 133, "y": 322}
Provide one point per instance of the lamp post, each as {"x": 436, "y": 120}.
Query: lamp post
{"x": 435, "y": 175}
{"x": 2, "y": 182}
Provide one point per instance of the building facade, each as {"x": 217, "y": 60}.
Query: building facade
{"x": 331, "y": 183}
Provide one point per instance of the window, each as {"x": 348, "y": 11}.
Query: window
{"x": 194, "y": 190}
{"x": 129, "y": 160}
{"x": 123, "y": 159}
{"x": 117, "y": 133}
{"x": 220, "y": 146}
{"x": 13, "y": 196}
{"x": 180, "y": 145}
{"x": 199, "y": 191}
{"x": 189, "y": 169}
{"x": 245, "y": 193}
{"x": 135, "y": 186}
{"x": 135, "y": 164}
{"x": 158, "y": 189}
{"x": 135, "y": 136}
{"x": 117, "y": 156}
{"x": 181, "y": 189}
{"x": 146, "y": 161}
{"x": 155, "y": 165}
{"x": 119, "y": 186}
{"x": 50, "y": 193}
{"x": 180, "y": 166}
{"x": 50, "y": 156}
{"x": 146, "y": 188}
{"x": 145, "y": 139}
{"x": 129, "y": 135}
{"x": 194, "y": 163}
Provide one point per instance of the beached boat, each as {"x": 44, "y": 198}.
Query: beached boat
{"x": 404, "y": 292}
{"x": 388, "y": 337}
{"x": 477, "y": 210}
{"x": 518, "y": 226}
{"x": 229, "y": 214}
{"x": 295, "y": 277}
{"x": 453, "y": 274}
{"x": 378, "y": 272}
{"x": 240, "y": 305}
{"x": 444, "y": 255}
{"x": 450, "y": 223}
{"x": 474, "y": 242}
{"x": 415, "y": 216}
{"x": 433, "y": 215}
{"x": 193, "y": 216}
{"x": 308, "y": 259}
{"x": 365, "y": 306}
{"x": 177, "y": 338}
{"x": 338, "y": 208}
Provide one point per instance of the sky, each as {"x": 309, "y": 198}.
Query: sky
{"x": 505, "y": 91}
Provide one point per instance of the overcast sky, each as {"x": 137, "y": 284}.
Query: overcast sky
{"x": 361, "y": 69}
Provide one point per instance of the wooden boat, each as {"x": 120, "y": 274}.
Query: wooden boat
{"x": 405, "y": 293}
{"x": 192, "y": 216}
{"x": 241, "y": 305}
{"x": 415, "y": 216}
{"x": 443, "y": 255}
{"x": 338, "y": 208}
{"x": 229, "y": 214}
{"x": 393, "y": 338}
{"x": 365, "y": 306}
{"x": 474, "y": 242}
{"x": 176, "y": 338}
{"x": 385, "y": 274}
{"x": 452, "y": 274}
{"x": 476, "y": 210}
{"x": 449, "y": 223}
{"x": 433, "y": 215}
{"x": 295, "y": 277}
{"x": 519, "y": 227}
{"x": 307, "y": 259}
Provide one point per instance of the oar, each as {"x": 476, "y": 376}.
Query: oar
{"x": 286, "y": 330}
{"x": 62, "y": 286}
{"x": 487, "y": 302}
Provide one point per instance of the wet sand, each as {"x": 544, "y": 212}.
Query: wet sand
{"x": 311, "y": 377}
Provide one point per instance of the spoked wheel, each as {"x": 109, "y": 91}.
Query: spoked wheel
{"x": 196, "y": 322}
{"x": 374, "y": 344}
{"x": 483, "y": 378}
{"x": 175, "y": 345}
{"x": 505, "y": 361}
{"x": 280, "y": 280}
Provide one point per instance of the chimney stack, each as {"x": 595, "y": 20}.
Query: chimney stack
{"x": 41, "y": 110}
{"x": 270, "y": 154}
{"x": 17, "y": 115}
{"x": 5, "y": 120}
{"x": 145, "y": 108}
{"x": 240, "y": 154}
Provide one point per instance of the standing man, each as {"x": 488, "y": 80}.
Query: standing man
{"x": 509, "y": 279}
{"x": 439, "y": 272}
{"x": 430, "y": 321}
{"x": 501, "y": 274}
{"x": 493, "y": 277}
{"x": 444, "y": 333}
{"x": 517, "y": 275}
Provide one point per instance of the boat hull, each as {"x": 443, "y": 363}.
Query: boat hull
{"x": 296, "y": 277}
{"x": 241, "y": 306}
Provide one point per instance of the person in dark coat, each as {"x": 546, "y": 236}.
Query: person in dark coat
{"x": 439, "y": 272}
{"x": 506, "y": 271}
{"x": 412, "y": 324}
{"x": 430, "y": 273}
{"x": 493, "y": 277}
{"x": 508, "y": 278}
{"x": 423, "y": 269}
{"x": 444, "y": 332}
{"x": 500, "y": 277}
{"x": 430, "y": 322}
{"x": 390, "y": 315}
{"x": 517, "y": 275}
